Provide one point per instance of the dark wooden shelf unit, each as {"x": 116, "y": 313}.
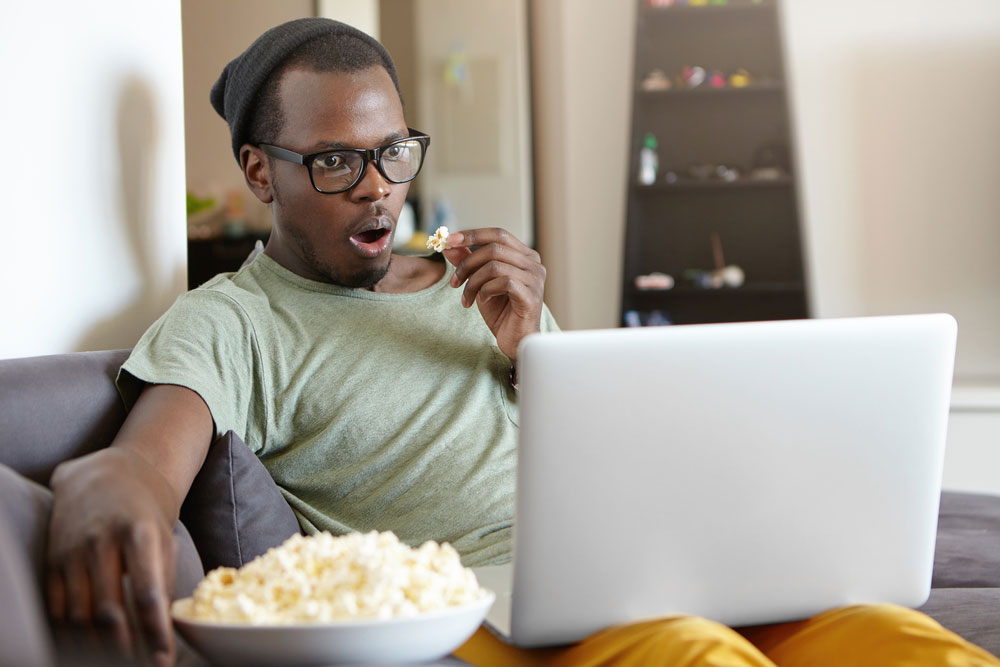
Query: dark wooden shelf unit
{"x": 670, "y": 224}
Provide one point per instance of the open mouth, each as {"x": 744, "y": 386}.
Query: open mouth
{"x": 371, "y": 236}
{"x": 373, "y": 242}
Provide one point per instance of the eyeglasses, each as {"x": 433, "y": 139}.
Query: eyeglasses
{"x": 337, "y": 171}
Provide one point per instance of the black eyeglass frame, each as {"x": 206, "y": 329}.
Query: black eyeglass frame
{"x": 373, "y": 155}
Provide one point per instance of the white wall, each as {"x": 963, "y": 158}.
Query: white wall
{"x": 93, "y": 169}
{"x": 897, "y": 104}
{"x": 362, "y": 14}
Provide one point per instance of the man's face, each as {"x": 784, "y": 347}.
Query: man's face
{"x": 343, "y": 238}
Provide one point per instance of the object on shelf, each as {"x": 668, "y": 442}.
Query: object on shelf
{"x": 770, "y": 162}
{"x": 702, "y": 172}
{"x": 654, "y": 281}
{"x": 658, "y": 318}
{"x": 717, "y": 79}
{"x": 727, "y": 276}
{"x": 671, "y": 177}
{"x": 708, "y": 172}
{"x": 649, "y": 161}
{"x": 205, "y": 217}
{"x": 703, "y": 279}
{"x": 692, "y": 77}
{"x": 722, "y": 275}
{"x": 640, "y": 318}
{"x": 727, "y": 174}
{"x": 656, "y": 80}
{"x": 235, "y": 225}
{"x": 196, "y": 204}
{"x": 740, "y": 78}
{"x": 444, "y": 215}
{"x": 406, "y": 226}
{"x": 772, "y": 154}
{"x": 702, "y": 3}
{"x": 767, "y": 174}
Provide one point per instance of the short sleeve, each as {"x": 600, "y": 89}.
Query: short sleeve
{"x": 548, "y": 323}
{"x": 206, "y": 343}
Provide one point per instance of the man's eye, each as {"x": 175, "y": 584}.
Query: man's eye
{"x": 330, "y": 161}
{"x": 397, "y": 152}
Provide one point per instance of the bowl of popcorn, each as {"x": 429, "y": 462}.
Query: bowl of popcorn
{"x": 357, "y": 598}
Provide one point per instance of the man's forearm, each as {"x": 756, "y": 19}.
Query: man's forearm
{"x": 170, "y": 428}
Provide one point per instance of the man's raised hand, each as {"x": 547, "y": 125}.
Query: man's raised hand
{"x": 504, "y": 278}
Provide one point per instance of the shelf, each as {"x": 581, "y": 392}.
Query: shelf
{"x": 708, "y": 91}
{"x": 743, "y": 184}
{"x": 687, "y": 10}
{"x": 759, "y": 289}
{"x": 698, "y": 129}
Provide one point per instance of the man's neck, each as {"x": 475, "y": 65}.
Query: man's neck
{"x": 409, "y": 274}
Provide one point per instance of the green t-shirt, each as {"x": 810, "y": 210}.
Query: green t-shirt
{"x": 371, "y": 411}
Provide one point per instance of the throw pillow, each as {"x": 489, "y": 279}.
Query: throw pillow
{"x": 234, "y": 510}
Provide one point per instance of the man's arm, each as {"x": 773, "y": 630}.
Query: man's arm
{"x": 114, "y": 512}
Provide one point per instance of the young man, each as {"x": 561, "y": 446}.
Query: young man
{"x": 375, "y": 388}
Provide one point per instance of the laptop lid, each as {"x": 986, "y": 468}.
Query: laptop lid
{"x": 749, "y": 473}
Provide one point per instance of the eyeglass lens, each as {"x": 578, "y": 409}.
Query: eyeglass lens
{"x": 338, "y": 170}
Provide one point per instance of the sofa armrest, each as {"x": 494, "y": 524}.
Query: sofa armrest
{"x": 58, "y": 407}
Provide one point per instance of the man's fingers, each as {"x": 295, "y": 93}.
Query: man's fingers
{"x": 56, "y": 595}
{"x": 105, "y": 566}
{"x": 456, "y": 255}
{"x": 78, "y": 598}
{"x": 485, "y": 236}
{"x": 492, "y": 256}
{"x": 517, "y": 292}
{"x": 505, "y": 279}
{"x": 145, "y": 563}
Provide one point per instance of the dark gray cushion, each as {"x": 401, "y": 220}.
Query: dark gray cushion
{"x": 24, "y": 511}
{"x": 23, "y": 633}
{"x": 187, "y": 569}
{"x": 234, "y": 510}
{"x": 57, "y": 407}
{"x": 27, "y": 505}
{"x": 968, "y": 543}
{"x": 973, "y": 613}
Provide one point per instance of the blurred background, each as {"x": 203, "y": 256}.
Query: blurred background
{"x": 879, "y": 193}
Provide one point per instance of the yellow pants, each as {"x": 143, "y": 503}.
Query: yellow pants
{"x": 877, "y": 635}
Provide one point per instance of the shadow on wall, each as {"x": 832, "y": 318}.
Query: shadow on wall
{"x": 137, "y": 135}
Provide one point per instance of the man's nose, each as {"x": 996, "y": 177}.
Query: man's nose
{"x": 372, "y": 186}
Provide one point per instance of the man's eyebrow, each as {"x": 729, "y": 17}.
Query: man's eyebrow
{"x": 339, "y": 145}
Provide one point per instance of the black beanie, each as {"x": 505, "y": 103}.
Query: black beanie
{"x": 234, "y": 95}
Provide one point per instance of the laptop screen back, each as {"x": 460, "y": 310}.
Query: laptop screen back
{"x": 748, "y": 473}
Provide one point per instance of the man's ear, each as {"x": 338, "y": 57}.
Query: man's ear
{"x": 257, "y": 171}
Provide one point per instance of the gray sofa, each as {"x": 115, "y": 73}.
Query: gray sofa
{"x": 58, "y": 407}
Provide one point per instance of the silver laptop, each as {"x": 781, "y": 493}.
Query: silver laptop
{"x": 749, "y": 473}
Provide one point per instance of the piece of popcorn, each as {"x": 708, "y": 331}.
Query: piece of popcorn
{"x": 438, "y": 241}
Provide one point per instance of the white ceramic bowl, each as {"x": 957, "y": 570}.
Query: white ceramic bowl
{"x": 429, "y": 636}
